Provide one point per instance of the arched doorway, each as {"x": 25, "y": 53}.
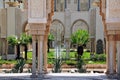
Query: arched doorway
{"x": 80, "y": 24}
{"x": 57, "y": 30}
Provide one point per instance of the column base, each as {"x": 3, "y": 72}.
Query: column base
{"x": 45, "y": 70}
{"x": 118, "y": 75}
{"x": 40, "y": 75}
{"x": 33, "y": 75}
{"x": 108, "y": 72}
{"x": 113, "y": 76}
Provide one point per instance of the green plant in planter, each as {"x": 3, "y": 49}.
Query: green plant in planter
{"x": 50, "y": 39}
{"x": 99, "y": 57}
{"x": 25, "y": 40}
{"x": 57, "y": 66}
{"x": 19, "y": 66}
{"x": 12, "y": 42}
{"x": 80, "y": 67}
{"x": 81, "y": 38}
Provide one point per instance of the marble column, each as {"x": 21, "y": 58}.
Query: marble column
{"x": 67, "y": 45}
{"x": 118, "y": 57}
{"x": 107, "y": 57}
{"x": 40, "y": 55}
{"x": 114, "y": 54}
{"x": 111, "y": 55}
{"x": 34, "y": 56}
{"x": 45, "y": 53}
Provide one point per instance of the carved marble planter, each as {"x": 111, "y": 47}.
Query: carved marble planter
{"x": 12, "y": 4}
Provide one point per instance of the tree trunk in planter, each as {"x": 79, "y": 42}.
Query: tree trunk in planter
{"x": 48, "y": 46}
{"x": 80, "y": 51}
{"x": 18, "y": 51}
{"x": 25, "y": 49}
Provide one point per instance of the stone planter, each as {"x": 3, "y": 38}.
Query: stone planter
{"x": 96, "y": 66}
{"x": 50, "y": 65}
{"x": 12, "y": 4}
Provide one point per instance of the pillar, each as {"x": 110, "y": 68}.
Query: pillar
{"x": 38, "y": 12}
{"x": 107, "y": 57}
{"x": 67, "y": 45}
{"x": 118, "y": 57}
{"x": 111, "y": 59}
{"x": 118, "y": 53}
{"x": 33, "y": 57}
{"x": 40, "y": 55}
{"x": 45, "y": 52}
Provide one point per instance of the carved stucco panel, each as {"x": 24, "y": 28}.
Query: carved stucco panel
{"x": 37, "y": 11}
{"x": 36, "y": 8}
{"x": 113, "y": 8}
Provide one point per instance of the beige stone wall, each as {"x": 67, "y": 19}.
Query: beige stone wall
{"x": 92, "y": 21}
{"x": 12, "y": 21}
{"x": 3, "y": 22}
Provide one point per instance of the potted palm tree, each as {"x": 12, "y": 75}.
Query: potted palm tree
{"x": 25, "y": 40}
{"x": 12, "y": 42}
{"x": 80, "y": 37}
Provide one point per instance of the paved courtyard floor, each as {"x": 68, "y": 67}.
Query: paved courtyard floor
{"x": 56, "y": 76}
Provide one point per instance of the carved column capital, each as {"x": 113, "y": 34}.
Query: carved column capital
{"x": 40, "y": 38}
{"x": 34, "y": 38}
{"x": 111, "y": 37}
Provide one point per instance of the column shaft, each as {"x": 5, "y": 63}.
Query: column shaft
{"x": 40, "y": 54}
{"x": 45, "y": 53}
{"x": 34, "y": 58}
{"x": 114, "y": 57}
{"x": 111, "y": 57}
{"x": 118, "y": 57}
{"x": 67, "y": 48}
{"x": 112, "y": 52}
{"x": 107, "y": 57}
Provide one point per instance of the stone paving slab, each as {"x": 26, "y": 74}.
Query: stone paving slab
{"x": 55, "y": 76}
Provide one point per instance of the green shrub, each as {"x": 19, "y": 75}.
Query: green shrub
{"x": 19, "y": 66}
{"x": 29, "y": 61}
{"x": 102, "y": 57}
{"x": 51, "y": 60}
{"x": 98, "y": 57}
{"x": 8, "y": 61}
{"x": 69, "y": 62}
{"x": 80, "y": 65}
{"x": 57, "y": 65}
